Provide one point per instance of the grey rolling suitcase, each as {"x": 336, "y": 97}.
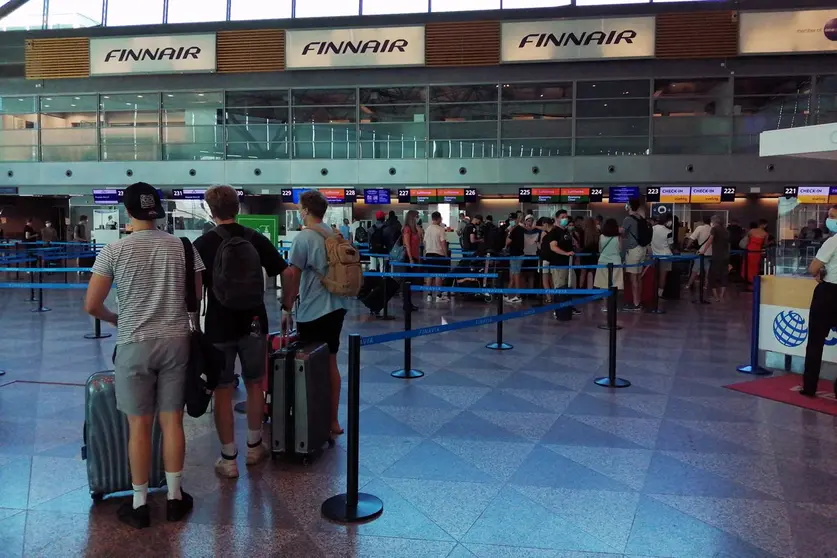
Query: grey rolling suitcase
{"x": 299, "y": 394}
{"x": 106, "y": 441}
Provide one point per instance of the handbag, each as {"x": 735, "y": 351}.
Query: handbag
{"x": 744, "y": 242}
{"x": 397, "y": 252}
{"x": 202, "y": 372}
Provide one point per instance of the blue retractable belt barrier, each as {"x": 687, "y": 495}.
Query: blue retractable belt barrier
{"x": 404, "y": 264}
{"x": 493, "y": 258}
{"x": 432, "y": 275}
{"x": 46, "y": 269}
{"x": 432, "y": 330}
{"x": 569, "y": 292}
{"x": 54, "y": 286}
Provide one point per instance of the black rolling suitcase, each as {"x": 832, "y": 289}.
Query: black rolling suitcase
{"x": 299, "y": 388}
{"x": 374, "y": 296}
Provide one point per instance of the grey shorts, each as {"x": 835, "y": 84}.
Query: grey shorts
{"x": 151, "y": 375}
{"x": 252, "y": 351}
{"x": 560, "y": 278}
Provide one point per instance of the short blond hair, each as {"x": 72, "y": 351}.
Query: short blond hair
{"x": 222, "y": 202}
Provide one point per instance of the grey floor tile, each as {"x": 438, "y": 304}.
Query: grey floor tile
{"x": 12, "y": 533}
{"x": 431, "y": 461}
{"x": 670, "y": 476}
{"x": 628, "y": 466}
{"x": 545, "y": 468}
{"x": 572, "y": 431}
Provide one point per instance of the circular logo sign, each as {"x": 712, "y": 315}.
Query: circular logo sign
{"x": 830, "y": 30}
{"x": 790, "y": 328}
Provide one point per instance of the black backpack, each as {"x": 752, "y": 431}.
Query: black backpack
{"x": 377, "y": 240}
{"x": 361, "y": 235}
{"x": 644, "y": 232}
{"x": 237, "y": 280}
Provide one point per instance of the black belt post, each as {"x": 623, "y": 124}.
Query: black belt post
{"x": 41, "y": 307}
{"x": 611, "y": 380}
{"x": 407, "y": 373}
{"x": 386, "y": 315}
{"x": 353, "y": 507}
{"x": 498, "y": 345}
{"x": 702, "y": 281}
{"x": 657, "y": 309}
{"x": 610, "y": 286}
{"x": 97, "y": 331}
{"x": 31, "y": 289}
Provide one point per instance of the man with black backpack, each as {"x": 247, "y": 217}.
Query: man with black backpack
{"x": 236, "y": 319}
{"x": 637, "y": 235}
{"x": 378, "y": 243}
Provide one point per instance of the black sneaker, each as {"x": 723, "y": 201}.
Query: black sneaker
{"x": 178, "y": 509}
{"x": 138, "y": 518}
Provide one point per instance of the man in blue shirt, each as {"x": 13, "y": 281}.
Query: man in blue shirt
{"x": 320, "y": 313}
{"x": 346, "y": 230}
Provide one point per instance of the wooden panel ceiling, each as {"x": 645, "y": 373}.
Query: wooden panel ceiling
{"x": 252, "y": 50}
{"x": 66, "y": 57}
{"x": 697, "y": 35}
{"x": 474, "y": 43}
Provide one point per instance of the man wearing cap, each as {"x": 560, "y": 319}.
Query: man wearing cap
{"x": 152, "y": 343}
{"x": 378, "y": 241}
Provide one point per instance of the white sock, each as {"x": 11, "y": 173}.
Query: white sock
{"x": 173, "y": 484}
{"x": 228, "y": 450}
{"x": 140, "y": 494}
{"x": 254, "y": 437}
{"x": 660, "y": 292}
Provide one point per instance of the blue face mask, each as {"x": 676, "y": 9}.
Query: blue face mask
{"x": 831, "y": 225}
{"x": 564, "y": 222}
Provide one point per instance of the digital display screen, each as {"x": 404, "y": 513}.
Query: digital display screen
{"x": 706, "y": 194}
{"x": 524, "y": 195}
{"x": 675, "y": 194}
{"x": 813, "y": 194}
{"x": 456, "y": 195}
{"x": 546, "y": 195}
{"x": 287, "y": 195}
{"x": 622, "y": 194}
{"x": 107, "y": 197}
{"x": 182, "y": 194}
{"x": 376, "y": 196}
{"x": 349, "y": 195}
{"x": 580, "y": 195}
{"x": 417, "y": 195}
{"x": 8, "y": 190}
{"x": 790, "y": 192}
{"x": 470, "y": 195}
{"x": 728, "y": 194}
{"x": 832, "y": 195}
{"x": 333, "y": 195}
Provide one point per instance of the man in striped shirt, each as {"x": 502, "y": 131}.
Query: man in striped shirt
{"x": 152, "y": 343}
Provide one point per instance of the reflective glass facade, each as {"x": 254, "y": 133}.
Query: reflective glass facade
{"x": 710, "y": 116}
{"x": 69, "y": 14}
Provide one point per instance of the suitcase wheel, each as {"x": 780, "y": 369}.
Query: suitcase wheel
{"x": 83, "y": 453}
{"x": 96, "y": 496}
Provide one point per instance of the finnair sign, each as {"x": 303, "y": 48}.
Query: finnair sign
{"x": 354, "y": 48}
{"x": 578, "y": 39}
{"x": 152, "y": 54}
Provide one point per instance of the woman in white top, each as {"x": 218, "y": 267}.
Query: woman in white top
{"x": 610, "y": 251}
{"x": 661, "y": 241}
{"x": 435, "y": 246}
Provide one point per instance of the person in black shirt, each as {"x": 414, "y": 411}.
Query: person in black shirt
{"x": 560, "y": 253}
{"x": 229, "y": 330}
{"x": 29, "y": 234}
{"x": 472, "y": 235}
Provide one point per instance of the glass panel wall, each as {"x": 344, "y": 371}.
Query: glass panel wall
{"x": 327, "y": 8}
{"x": 186, "y": 11}
{"x": 393, "y": 123}
{"x": 257, "y": 125}
{"x": 768, "y": 103}
{"x": 131, "y": 12}
{"x": 18, "y": 129}
{"x": 68, "y": 128}
{"x": 381, "y": 7}
{"x": 28, "y": 16}
{"x": 692, "y": 116}
{"x": 463, "y": 121}
{"x": 129, "y": 127}
{"x": 463, "y": 5}
{"x": 241, "y": 10}
{"x": 73, "y": 14}
{"x": 612, "y": 117}
{"x": 324, "y": 124}
{"x": 536, "y": 119}
{"x": 193, "y": 126}
{"x": 825, "y": 109}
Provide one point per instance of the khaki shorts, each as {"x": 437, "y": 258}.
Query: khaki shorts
{"x": 560, "y": 278}
{"x": 634, "y": 256}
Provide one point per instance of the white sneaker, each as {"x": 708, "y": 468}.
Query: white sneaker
{"x": 508, "y": 299}
{"x": 256, "y": 454}
{"x": 429, "y": 298}
{"x": 227, "y": 468}
{"x": 516, "y": 300}
{"x": 442, "y": 298}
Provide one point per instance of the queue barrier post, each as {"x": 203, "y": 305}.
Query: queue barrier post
{"x": 353, "y": 506}
{"x": 97, "y": 331}
{"x": 754, "y": 367}
{"x": 609, "y": 286}
{"x": 611, "y": 380}
{"x": 702, "y": 281}
{"x": 656, "y": 309}
{"x": 385, "y": 316}
{"x": 41, "y": 307}
{"x": 407, "y": 373}
{"x": 32, "y": 289}
{"x": 498, "y": 345}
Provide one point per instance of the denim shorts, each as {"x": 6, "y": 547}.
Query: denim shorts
{"x": 515, "y": 266}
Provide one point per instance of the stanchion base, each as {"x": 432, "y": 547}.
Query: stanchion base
{"x": 30, "y": 300}
{"x": 657, "y": 311}
{"x": 701, "y": 302}
{"x": 2, "y": 372}
{"x": 41, "y": 309}
{"x": 407, "y": 374}
{"x": 499, "y": 346}
{"x": 240, "y": 407}
{"x": 382, "y": 317}
{"x": 368, "y": 508}
{"x": 94, "y": 336}
{"x": 757, "y": 371}
{"x": 619, "y": 383}
{"x": 607, "y": 327}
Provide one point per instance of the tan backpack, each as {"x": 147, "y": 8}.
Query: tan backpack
{"x": 344, "y": 276}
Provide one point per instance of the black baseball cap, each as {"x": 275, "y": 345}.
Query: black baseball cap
{"x": 142, "y": 200}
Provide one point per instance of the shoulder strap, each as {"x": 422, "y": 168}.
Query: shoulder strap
{"x": 321, "y": 232}
{"x": 191, "y": 295}
{"x": 222, "y": 232}
{"x": 608, "y": 243}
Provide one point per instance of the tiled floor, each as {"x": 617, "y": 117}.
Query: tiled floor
{"x": 514, "y": 454}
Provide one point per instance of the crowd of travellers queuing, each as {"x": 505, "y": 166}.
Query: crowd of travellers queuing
{"x": 159, "y": 339}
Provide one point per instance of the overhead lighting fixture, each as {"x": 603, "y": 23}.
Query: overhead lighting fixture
{"x": 106, "y": 97}
{"x": 139, "y": 96}
{"x": 169, "y": 95}
{"x": 49, "y": 98}
{"x": 72, "y": 104}
{"x": 200, "y": 94}
{"x": 77, "y": 98}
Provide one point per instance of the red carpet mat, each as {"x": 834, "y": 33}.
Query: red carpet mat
{"x": 785, "y": 390}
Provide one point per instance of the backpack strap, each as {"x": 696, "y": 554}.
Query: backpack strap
{"x": 222, "y": 232}
{"x": 191, "y": 295}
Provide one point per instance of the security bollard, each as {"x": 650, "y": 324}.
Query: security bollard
{"x": 407, "y": 373}
{"x": 353, "y": 507}
{"x": 611, "y": 380}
